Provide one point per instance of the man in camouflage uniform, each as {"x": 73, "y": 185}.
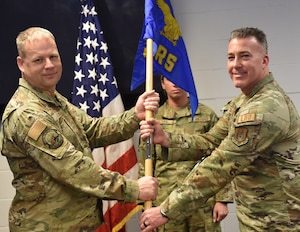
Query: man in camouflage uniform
{"x": 172, "y": 166}
{"x": 258, "y": 141}
{"x": 48, "y": 141}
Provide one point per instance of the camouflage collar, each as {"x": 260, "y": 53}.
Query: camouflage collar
{"x": 267, "y": 79}
{"x": 57, "y": 99}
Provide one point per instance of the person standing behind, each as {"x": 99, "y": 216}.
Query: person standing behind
{"x": 259, "y": 154}
{"x": 47, "y": 142}
{"x": 172, "y": 165}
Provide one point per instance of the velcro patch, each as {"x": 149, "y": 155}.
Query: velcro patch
{"x": 246, "y": 118}
{"x": 240, "y": 134}
{"x": 52, "y": 139}
{"x": 36, "y": 130}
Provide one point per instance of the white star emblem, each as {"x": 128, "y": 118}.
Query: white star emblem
{"x": 84, "y": 106}
{"x": 96, "y": 58}
{"x": 93, "y": 11}
{"x": 78, "y": 75}
{"x": 81, "y": 91}
{"x": 114, "y": 82}
{"x": 92, "y": 74}
{"x": 95, "y": 43}
{"x": 86, "y": 27}
{"x": 87, "y": 42}
{"x": 90, "y": 58}
{"x": 103, "y": 94}
{"x": 78, "y": 44}
{"x": 95, "y": 89}
{"x": 85, "y": 10}
{"x": 103, "y": 47}
{"x": 93, "y": 28}
{"x": 78, "y": 59}
{"x": 103, "y": 78}
{"x": 97, "y": 106}
{"x": 104, "y": 62}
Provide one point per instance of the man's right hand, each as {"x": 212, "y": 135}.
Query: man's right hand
{"x": 148, "y": 188}
{"x": 152, "y": 126}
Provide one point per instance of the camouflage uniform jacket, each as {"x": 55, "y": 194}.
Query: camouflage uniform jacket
{"x": 261, "y": 154}
{"x": 47, "y": 142}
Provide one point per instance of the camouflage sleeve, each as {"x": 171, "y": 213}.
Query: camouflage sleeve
{"x": 206, "y": 142}
{"x": 51, "y": 150}
{"x": 205, "y": 180}
{"x": 253, "y": 132}
{"x": 225, "y": 194}
{"x": 104, "y": 131}
{"x": 214, "y": 119}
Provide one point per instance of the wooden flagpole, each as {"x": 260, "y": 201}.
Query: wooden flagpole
{"x": 149, "y": 113}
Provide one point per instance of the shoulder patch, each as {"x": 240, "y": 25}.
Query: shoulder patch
{"x": 36, "y": 130}
{"x": 246, "y": 118}
{"x": 240, "y": 134}
{"x": 52, "y": 139}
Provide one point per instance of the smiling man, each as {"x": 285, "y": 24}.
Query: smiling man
{"x": 248, "y": 60}
{"x": 47, "y": 142}
{"x": 257, "y": 147}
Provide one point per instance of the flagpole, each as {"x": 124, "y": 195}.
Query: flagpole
{"x": 149, "y": 113}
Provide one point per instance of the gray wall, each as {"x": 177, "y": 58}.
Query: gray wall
{"x": 206, "y": 25}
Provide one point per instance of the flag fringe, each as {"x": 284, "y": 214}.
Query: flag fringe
{"x": 121, "y": 224}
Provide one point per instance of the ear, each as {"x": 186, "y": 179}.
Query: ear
{"x": 20, "y": 63}
{"x": 266, "y": 60}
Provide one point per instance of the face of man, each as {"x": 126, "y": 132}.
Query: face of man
{"x": 41, "y": 65}
{"x": 247, "y": 63}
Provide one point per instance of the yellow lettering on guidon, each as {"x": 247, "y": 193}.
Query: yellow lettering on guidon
{"x": 165, "y": 59}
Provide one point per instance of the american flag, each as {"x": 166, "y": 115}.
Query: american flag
{"x": 96, "y": 92}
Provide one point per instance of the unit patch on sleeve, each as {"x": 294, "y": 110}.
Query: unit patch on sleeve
{"x": 240, "y": 136}
{"x": 52, "y": 139}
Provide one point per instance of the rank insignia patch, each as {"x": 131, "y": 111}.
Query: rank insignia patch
{"x": 52, "y": 139}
